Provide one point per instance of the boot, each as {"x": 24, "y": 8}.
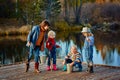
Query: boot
{"x": 48, "y": 68}
{"x": 54, "y": 67}
{"x": 64, "y": 68}
{"x": 36, "y": 68}
{"x": 91, "y": 69}
{"x": 27, "y": 67}
{"x": 88, "y": 69}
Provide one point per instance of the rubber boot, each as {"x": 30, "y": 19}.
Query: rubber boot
{"x": 64, "y": 68}
{"x": 54, "y": 67}
{"x": 27, "y": 66}
{"x": 88, "y": 69}
{"x": 91, "y": 69}
{"x": 36, "y": 67}
{"x": 48, "y": 68}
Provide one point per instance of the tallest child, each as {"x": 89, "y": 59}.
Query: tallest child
{"x": 35, "y": 41}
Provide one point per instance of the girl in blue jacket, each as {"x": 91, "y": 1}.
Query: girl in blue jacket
{"x": 88, "y": 47}
{"x": 35, "y": 42}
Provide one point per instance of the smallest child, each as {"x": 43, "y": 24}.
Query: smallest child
{"x": 51, "y": 46}
{"x": 74, "y": 58}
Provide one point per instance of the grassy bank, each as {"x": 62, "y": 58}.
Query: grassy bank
{"x": 63, "y": 26}
{"x": 24, "y": 30}
{"x": 15, "y": 31}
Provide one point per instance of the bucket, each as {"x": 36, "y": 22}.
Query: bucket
{"x": 43, "y": 59}
{"x": 69, "y": 68}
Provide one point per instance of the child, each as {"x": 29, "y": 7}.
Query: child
{"x": 74, "y": 58}
{"x": 88, "y": 47}
{"x": 51, "y": 46}
{"x": 35, "y": 42}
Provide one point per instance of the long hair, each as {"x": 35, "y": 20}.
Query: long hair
{"x": 44, "y": 23}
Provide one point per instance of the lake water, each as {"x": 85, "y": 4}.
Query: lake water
{"x": 106, "y": 49}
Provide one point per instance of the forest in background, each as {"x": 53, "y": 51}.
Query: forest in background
{"x": 98, "y": 14}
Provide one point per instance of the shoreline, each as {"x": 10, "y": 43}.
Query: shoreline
{"x": 84, "y": 63}
{"x": 17, "y": 72}
{"x": 24, "y": 30}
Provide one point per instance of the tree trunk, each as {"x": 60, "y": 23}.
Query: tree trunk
{"x": 66, "y": 17}
{"x": 78, "y": 12}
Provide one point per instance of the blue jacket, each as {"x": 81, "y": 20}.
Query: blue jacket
{"x": 88, "y": 48}
{"x": 33, "y": 35}
{"x": 88, "y": 44}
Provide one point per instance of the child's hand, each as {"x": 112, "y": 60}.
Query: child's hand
{"x": 48, "y": 44}
{"x": 78, "y": 60}
{"x": 66, "y": 57}
{"x": 57, "y": 46}
{"x": 71, "y": 64}
{"x": 63, "y": 62}
{"x": 87, "y": 39}
{"x": 28, "y": 44}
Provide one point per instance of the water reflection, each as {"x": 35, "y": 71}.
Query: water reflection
{"x": 12, "y": 49}
{"x": 106, "y": 49}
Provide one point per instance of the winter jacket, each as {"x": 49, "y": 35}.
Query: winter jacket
{"x": 50, "y": 43}
{"x": 75, "y": 57}
{"x": 88, "y": 44}
{"x": 33, "y": 35}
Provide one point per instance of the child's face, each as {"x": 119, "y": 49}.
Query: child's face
{"x": 52, "y": 36}
{"x": 85, "y": 34}
{"x": 46, "y": 27}
{"x": 73, "y": 50}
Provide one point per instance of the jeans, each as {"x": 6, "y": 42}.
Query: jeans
{"x": 76, "y": 64}
{"x": 89, "y": 54}
{"x": 34, "y": 51}
{"x": 52, "y": 55}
